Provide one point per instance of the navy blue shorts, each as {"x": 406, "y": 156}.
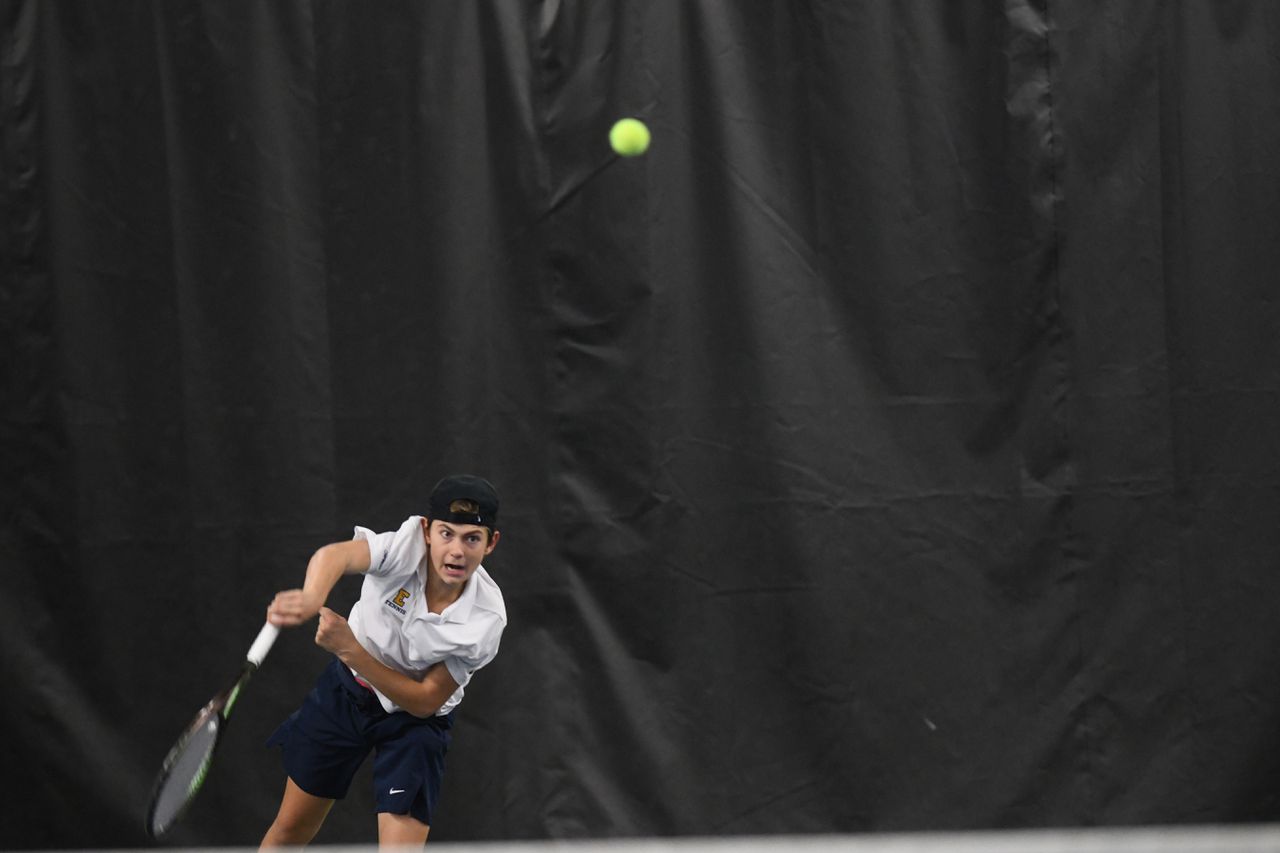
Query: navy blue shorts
{"x": 340, "y": 722}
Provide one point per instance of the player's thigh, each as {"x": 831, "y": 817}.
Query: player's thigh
{"x": 301, "y": 810}
{"x": 396, "y": 830}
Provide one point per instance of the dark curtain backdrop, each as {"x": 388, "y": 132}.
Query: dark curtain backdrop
{"x": 895, "y": 446}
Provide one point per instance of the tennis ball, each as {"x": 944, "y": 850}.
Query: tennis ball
{"x": 629, "y": 137}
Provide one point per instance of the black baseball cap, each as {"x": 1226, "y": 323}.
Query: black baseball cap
{"x": 464, "y": 487}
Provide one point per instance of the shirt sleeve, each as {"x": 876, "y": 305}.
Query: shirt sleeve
{"x": 464, "y": 662}
{"x": 394, "y": 551}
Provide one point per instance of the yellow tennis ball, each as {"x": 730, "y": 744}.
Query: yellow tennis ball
{"x": 629, "y": 137}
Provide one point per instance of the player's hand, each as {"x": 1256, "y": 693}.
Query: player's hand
{"x": 291, "y": 607}
{"x": 333, "y": 634}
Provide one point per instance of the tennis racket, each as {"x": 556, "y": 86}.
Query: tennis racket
{"x": 187, "y": 764}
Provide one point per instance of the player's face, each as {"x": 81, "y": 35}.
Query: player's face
{"x": 457, "y": 549}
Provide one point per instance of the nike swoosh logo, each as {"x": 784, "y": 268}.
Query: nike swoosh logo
{"x": 396, "y": 791}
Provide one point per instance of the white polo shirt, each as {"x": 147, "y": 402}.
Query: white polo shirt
{"x": 392, "y": 622}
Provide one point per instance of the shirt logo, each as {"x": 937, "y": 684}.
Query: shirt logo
{"x": 397, "y": 602}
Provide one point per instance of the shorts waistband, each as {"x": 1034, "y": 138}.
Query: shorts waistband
{"x": 356, "y": 687}
{"x": 365, "y": 697}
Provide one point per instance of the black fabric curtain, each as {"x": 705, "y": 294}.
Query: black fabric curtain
{"x": 896, "y": 445}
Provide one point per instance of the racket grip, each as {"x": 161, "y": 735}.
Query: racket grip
{"x": 262, "y": 645}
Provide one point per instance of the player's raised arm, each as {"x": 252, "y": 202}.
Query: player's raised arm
{"x": 295, "y": 606}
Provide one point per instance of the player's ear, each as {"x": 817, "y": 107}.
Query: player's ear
{"x": 493, "y": 543}
{"x": 426, "y": 529}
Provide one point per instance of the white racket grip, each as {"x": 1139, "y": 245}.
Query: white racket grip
{"x": 262, "y": 645}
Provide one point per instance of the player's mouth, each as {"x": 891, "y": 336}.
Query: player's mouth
{"x": 455, "y": 570}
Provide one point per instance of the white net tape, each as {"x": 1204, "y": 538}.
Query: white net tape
{"x": 1199, "y": 839}
{"x": 1254, "y": 839}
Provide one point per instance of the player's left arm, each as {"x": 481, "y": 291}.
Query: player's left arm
{"x": 420, "y": 698}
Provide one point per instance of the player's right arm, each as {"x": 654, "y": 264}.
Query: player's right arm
{"x": 295, "y": 606}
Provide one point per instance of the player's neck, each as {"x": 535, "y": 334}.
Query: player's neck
{"x": 440, "y": 595}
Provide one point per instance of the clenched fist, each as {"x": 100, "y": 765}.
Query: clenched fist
{"x": 333, "y": 634}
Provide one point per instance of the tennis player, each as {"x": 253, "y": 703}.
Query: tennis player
{"x": 428, "y": 617}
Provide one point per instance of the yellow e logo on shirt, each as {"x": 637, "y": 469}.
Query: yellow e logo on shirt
{"x": 400, "y": 597}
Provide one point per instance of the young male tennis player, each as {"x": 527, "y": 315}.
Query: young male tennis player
{"x": 428, "y": 617}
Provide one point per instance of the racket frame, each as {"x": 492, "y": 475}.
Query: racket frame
{"x": 218, "y": 710}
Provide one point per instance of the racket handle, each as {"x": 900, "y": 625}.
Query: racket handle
{"x": 262, "y": 645}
